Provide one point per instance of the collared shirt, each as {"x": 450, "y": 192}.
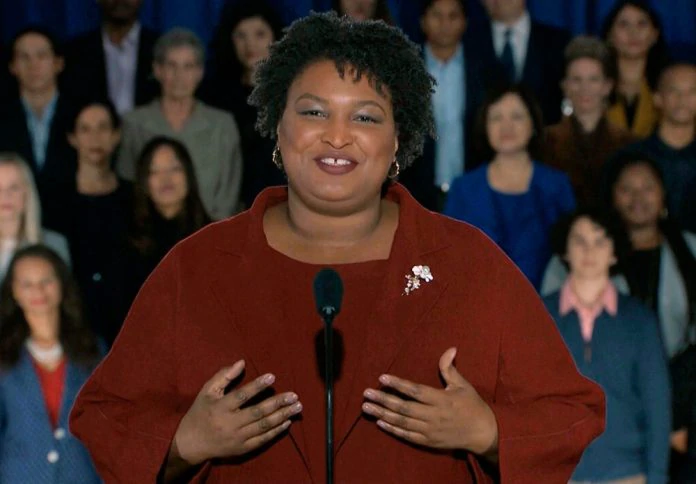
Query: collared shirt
{"x": 121, "y": 67}
{"x": 519, "y": 39}
{"x": 608, "y": 301}
{"x": 449, "y": 105}
{"x": 40, "y": 129}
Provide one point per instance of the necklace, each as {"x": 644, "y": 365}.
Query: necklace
{"x": 43, "y": 355}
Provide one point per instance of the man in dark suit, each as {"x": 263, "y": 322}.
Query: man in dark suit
{"x": 527, "y": 51}
{"x": 460, "y": 72}
{"x": 115, "y": 61}
{"x": 34, "y": 122}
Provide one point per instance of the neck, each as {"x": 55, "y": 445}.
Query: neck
{"x": 116, "y": 31}
{"x": 589, "y": 121}
{"x": 513, "y": 162}
{"x": 169, "y": 212}
{"x": 9, "y": 228}
{"x": 38, "y": 100}
{"x": 511, "y": 19}
{"x": 588, "y": 290}
{"x": 677, "y": 135}
{"x": 329, "y": 230}
{"x": 645, "y": 237}
{"x": 443, "y": 53}
{"x": 248, "y": 77}
{"x": 177, "y": 111}
{"x": 631, "y": 76}
{"x": 93, "y": 177}
{"x": 47, "y": 339}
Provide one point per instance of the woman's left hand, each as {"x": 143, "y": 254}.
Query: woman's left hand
{"x": 453, "y": 418}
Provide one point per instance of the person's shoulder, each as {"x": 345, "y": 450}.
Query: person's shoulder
{"x": 84, "y": 41}
{"x": 229, "y": 235}
{"x": 551, "y": 32}
{"x": 216, "y": 115}
{"x": 470, "y": 178}
{"x": 141, "y": 113}
{"x": 690, "y": 239}
{"x": 549, "y": 174}
{"x": 634, "y": 312}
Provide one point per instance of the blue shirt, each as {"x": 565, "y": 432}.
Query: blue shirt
{"x": 40, "y": 129}
{"x": 449, "y": 105}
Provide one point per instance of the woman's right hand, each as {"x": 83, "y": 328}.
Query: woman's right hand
{"x": 216, "y": 425}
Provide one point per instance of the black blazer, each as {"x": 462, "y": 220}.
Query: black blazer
{"x": 85, "y": 67}
{"x": 60, "y": 164}
{"x": 419, "y": 178}
{"x": 543, "y": 67}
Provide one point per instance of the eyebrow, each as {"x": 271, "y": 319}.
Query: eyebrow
{"x": 321, "y": 100}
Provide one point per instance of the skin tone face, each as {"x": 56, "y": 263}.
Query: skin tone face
{"x": 34, "y": 64}
{"x": 444, "y": 23}
{"x": 121, "y": 11}
{"x": 13, "y": 193}
{"x": 639, "y": 196}
{"x": 586, "y": 86}
{"x": 95, "y": 137}
{"x": 251, "y": 39}
{"x": 505, "y": 10}
{"x": 589, "y": 252}
{"x": 359, "y": 9}
{"x": 338, "y": 139}
{"x": 167, "y": 184}
{"x": 179, "y": 74}
{"x": 633, "y": 34}
{"x": 509, "y": 125}
{"x": 37, "y": 291}
{"x": 676, "y": 96}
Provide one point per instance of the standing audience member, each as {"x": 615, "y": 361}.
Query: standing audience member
{"x": 242, "y": 39}
{"x": 46, "y": 354}
{"x": 581, "y": 143}
{"x": 514, "y": 199}
{"x": 93, "y": 210}
{"x": 209, "y": 134}
{"x": 633, "y": 31}
{"x": 35, "y": 123}
{"x": 20, "y": 213}
{"x": 673, "y": 145}
{"x": 615, "y": 341}
{"x": 167, "y": 206}
{"x": 459, "y": 72}
{"x": 364, "y": 9}
{"x": 528, "y": 52}
{"x": 115, "y": 61}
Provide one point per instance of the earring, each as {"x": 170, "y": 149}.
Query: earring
{"x": 665, "y": 213}
{"x": 277, "y": 160}
{"x": 394, "y": 173}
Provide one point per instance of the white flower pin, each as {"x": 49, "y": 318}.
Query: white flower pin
{"x": 413, "y": 281}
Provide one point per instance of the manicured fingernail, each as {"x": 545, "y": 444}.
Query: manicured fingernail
{"x": 268, "y": 379}
{"x": 384, "y": 379}
{"x": 367, "y": 407}
{"x": 370, "y": 394}
{"x": 381, "y": 424}
{"x": 291, "y": 399}
{"x": 286, "y": 424}
{"x": 297, "y": 408}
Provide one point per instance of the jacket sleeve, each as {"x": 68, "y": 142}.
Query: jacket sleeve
{"x": 547, "y": 413}
{"x": 654, "y": 388}
{"x": 129, "y": 410}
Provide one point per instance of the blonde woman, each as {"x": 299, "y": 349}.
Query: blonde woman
{"x": 20, "y": 213}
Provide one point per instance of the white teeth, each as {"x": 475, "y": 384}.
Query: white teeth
{"x": 335, "y": 161}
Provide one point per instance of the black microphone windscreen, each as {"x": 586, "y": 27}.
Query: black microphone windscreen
{"x": 328, "y": 292}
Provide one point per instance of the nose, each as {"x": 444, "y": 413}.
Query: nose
{"x": 337, "y": 133}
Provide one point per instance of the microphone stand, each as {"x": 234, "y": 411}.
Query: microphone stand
{"x": 328, "y": 317}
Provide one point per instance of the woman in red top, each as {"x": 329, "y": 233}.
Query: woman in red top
{"x": 46, "y": 354}
{"x": 228, "y": 318}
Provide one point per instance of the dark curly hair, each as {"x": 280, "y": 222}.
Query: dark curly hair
{"x": 374, "y": 49}
{"x": 78, "y": 341}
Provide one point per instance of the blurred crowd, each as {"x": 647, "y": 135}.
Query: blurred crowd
{"x": 577, "y": 156}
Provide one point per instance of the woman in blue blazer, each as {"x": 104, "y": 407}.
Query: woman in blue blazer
{"x": 46, "y": 354}
{"x": 513, "y": 199}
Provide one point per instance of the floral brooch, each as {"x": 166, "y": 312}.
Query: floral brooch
{"x": 413, "y": 281}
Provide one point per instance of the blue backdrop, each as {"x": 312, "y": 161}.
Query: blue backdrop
{"x": 71, "y": 17}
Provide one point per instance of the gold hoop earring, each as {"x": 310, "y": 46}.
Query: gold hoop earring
{"x": 277, "y": 160}
{"x": 394, "y": 173}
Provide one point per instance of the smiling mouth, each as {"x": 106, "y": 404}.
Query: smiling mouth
{"x": 335, "y": 161}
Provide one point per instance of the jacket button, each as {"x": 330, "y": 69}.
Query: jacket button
{"x": 52, "y": 457}
{"x": 59, "y": 434}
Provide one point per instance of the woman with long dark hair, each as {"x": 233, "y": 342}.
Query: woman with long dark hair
{"x": 242, "y": 39}
{"x": 46, "y": 353}
{"x": 166, "y": 205}
{"x": 634, "y": 33}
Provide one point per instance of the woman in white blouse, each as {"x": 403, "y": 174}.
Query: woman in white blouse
{"x": 20, "y": 213}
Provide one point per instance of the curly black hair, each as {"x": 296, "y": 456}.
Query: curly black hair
{"x": 374, "y": 49}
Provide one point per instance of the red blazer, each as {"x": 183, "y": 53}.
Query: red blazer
{"x": 210, "y": 303}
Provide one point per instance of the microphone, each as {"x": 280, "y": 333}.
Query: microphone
{"x": 328, "y": 295}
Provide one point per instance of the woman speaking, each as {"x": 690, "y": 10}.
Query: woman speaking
{"x": 213, "y": 377}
